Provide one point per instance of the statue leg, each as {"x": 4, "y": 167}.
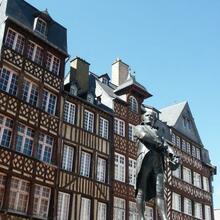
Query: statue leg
{"x": 160, "y": 200}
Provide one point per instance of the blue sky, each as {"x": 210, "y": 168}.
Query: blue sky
{"x": 173, "y": 47}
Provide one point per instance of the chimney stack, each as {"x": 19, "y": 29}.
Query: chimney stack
{"x": 119, "y": 72}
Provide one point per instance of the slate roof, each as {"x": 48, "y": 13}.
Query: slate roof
{"x": 22, "y": 13}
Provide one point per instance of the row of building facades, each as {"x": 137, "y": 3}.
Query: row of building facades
{"x": 67, "y": 148}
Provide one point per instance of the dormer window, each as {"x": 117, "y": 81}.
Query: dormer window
{"x": 133, "y": 104}
{"x": 40, "y": 26}
{"x": 105, "y": 81}
{"x": 73, "y": 90}
{"x": 90, "y": 98}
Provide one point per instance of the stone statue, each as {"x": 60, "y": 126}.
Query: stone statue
{"x": 150, "y": 164}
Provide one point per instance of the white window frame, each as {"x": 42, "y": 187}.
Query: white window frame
{"x": 131, "y": 129}
{"x": 45, "y": 145}
{"x": 183, "y": 145}
{"x": 120, "y": 165}
{"x": 198, "y": 210}
{"x": 177, "y": 172}
{"x": 103, "y": 127}
{"x": 133, "y": 214}
{"x": 208, "y": 212}
{"x": 119, "y": 208}
{"x": 187, "y": 175}
{"x": 176, "y": 202}
{"x": 2, "y": 188}
{"x": 88, "y": 121}
{"x": 41, "y": 195}
{"x": 68, "y": 155}
{"x": 50, "y": 64}
{"x": 188, "y": 206}
{"x": 197, "y": 180}
{"x": 63, "y": 206}
{"x": 48, "y": 97}
{"x": 198, "y": 153}
{"x": 33, "y": 57}
{"x": 43, "y": 33}
{"x": 20, "y": 190}
{"x": 132, "y": 171}
{"x": 173, "y": 138}
{"x": 188, "y": 148}
{"x": 178, "y": 142}
{"x": 206, "y": 184}
{"x": 4, "y": 126}
{"x": 102, "y": 211}
{"x": 149, "y": 213}
{"x": 85, "y": 211}
{"x": 85, "y": 163}
{"x": 69, "y": 112}
{"x": 119, "y": 127}
{"x": 133, "y": 104}
{"x": 15, "y": 41}
{"x": 101, "y": 169}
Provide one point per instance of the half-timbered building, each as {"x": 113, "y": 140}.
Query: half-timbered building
{"x": 33, "y": 52}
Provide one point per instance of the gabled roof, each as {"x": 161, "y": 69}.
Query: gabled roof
{"x": 131, "y": 83}
{"x": 24, "y": 14}
{"x": 179, "y": 117}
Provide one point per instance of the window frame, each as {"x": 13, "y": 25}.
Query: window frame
{"x": 36, "y": 22}
{"x": 85, "y": 166}
{"x": 133, "y": 104}
{"x": 103, "y": 127}
{"x": 69, "y": 162}
{"x": 87, "y": 124}
{"x": 102, "y": 211}
{"x": 63, "y": 207}
{"x": 8, "y": 129}
{"x": 69, "y": 113}
{"x": 132, "y": 171}
{"x": 85, "y": 208}
{"x": 119, "y": 167}
{"x": 34, "y": 52}
{"x": 176, "y": 202}
{"x": 119, "y": 127}
{"x": 101, "y": 170}
{"x": 50, "y": 65}
{"x": 47, "y": 102}
{"x": 119, "y": 207}
{"x": 2, "y": 188}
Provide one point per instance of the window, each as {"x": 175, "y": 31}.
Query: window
{"x": 69, "y": 112}
{"x": 197, "y": 180}
{"x": 101, "y": 169}
{"x": 68, "y": 153}
{"x": 132, "y": 172}
{"x": 63, "y": 206}
{"x": 187, "y": 206}
{"x": 41, "y": 201}
{"x": 133, "y": 215}
{"x": 119, "y": 127}
{"x": 176, "y": 202}
{"x": 187, "y": 175}
{"x": 6, "y": 125}
{"x": 53, "y": 63}
{"x": 30, "y": 92}
{"x": 149, "y": 214}
{"x": 184, "y": 145}
{"x": 198, "y": 154}
{"x": 40, "y": 26}
{"x": 102, "y": 211}
{"x": 193, "y": 151}
{"x": 35, "y": 53}
{"x": 119, "y": 209}
{"x": 15, "y": 41}
{"x": 206, "y": 186}
{"x": 49, "y": 102}
{"x": 188, "y": 148}
{"x": 119, "y": 167}
{"x": 85, "y": 164}
{"x": 178, "y": 141}
{"x": 85, "y": 209}
{"x": 2, "y": 188}
{"x": 198, "y": 210}
{"x": 103, "y": 127}
{"x": 19, "y": 195}
{"x": 177, "y": 172}
{"x": 173, "y": 138}
{"x": 207, "y": 212}
{"x": 24, "y": 140}
{"x": 45, "y": 148}
{"x": 90, "y": 98}
{"x": 8, "y": 81}
{"x": 131, "y": 132}
{"x": 133, "y": 104}
{"x": 88, "y": 121}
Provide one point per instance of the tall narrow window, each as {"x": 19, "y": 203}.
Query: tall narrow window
{"x": 132, "y": 172}
{"x": 149, "y": 213}
{"x": 2, "y": 188}
{"x": 102, "y": 211}
{"x": 19, "y": 195}
{"x": 101, "y": 169}
{"x": 184, "y": 145}
{"x": 15, "y": 41}
{"x": 178, "y": 141}
{"x": 197, "y": 180}
{"x": 119, "y": 167}
{"x": 6, "y": 125}
{"x": 85, "y": 164}
{"x": 53, "y": 63}
{"x": 119, "y": 127}
{"x": 133, "y": 215}
{"x": 176, "y": 202}
{"x": 88, "y": 122}
{"x": 35, "y": 53}
{"x": 131, "y": 132}
{"x": 187, "y": 175}
{"x": 63, "y": 206}
{"x": 206, "y": 185}
{"x": 103, "y": 127}
{"x": 49, "y": 102}
{"x": 187, "y": 206}
{"x": 40, "y": 26}
{"x": 8, "y": 81}
{"x": 133, "y": 104}
{"x": 68, "y": 153}
{"x": 41, "y": 201}
{"x": 85, "y": 209}
{"x": 45, "y": 148}
{"x": 188, "y": 148}
{"x": 69, "y": 112}
{"x": 30, "y": 92}
{"x": 177, "y": 172}
{"x": 119, "y": 209}
{"x": 198, "y": 210}
{"x": 198, "y": 156}
{"x": 173, "y": 138}
{"x": 24, "y": 140}
{"x": 193, "y": 151}
{"x": 207, "y": 212}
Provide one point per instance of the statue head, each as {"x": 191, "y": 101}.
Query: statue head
{"x": 149, "y": 117}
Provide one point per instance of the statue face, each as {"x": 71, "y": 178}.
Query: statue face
{"x": 149, "y": 118}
